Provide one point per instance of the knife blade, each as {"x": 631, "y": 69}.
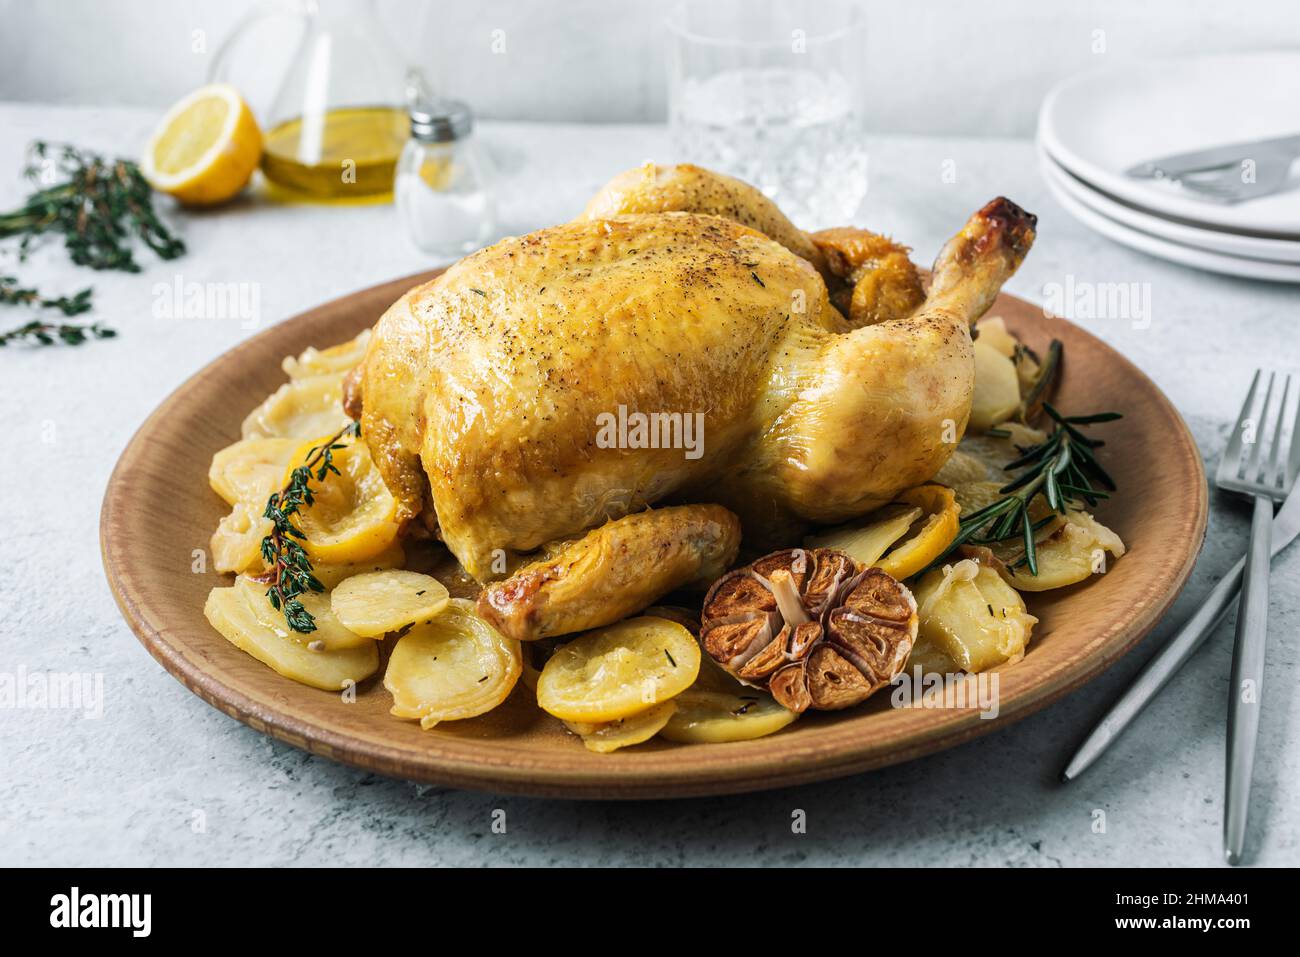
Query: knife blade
{"x": 1214, "y": 157}
{"x": 1165, "y": 664}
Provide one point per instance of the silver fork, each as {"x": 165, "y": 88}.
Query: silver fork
{"x": 1242, "y": 472}
{"x": 1226, "y": 184}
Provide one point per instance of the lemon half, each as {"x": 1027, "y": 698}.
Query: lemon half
{"x": 205, "y": 149}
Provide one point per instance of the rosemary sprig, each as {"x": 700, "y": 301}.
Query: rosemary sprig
{"x": 289, "y": 570}
{"x": 1062, "y": 468}
{"x": 12, "y": 294}
{"x": 97, "y": 204}
{"x": 48, "y": 333}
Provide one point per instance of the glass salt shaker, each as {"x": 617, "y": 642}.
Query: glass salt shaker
{"x": 441, "y": 184}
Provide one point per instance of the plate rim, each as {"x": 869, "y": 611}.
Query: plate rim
{"x": 1191, "y": 257}
{"x": 1174, "y": 230}
{"x": 512, "y": 773}
{"x": 1131, "y": 190}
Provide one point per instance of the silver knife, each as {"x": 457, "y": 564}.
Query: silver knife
{"x": 1179, "y": 164}
{"x": 1157, "y": 672}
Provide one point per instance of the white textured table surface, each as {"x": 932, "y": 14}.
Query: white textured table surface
{"x": 129, "y": 787}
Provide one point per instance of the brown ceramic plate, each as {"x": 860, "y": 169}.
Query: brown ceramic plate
{"x": 1160, "y": 513}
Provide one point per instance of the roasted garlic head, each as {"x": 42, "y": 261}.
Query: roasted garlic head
{"x": 811, "y": 626}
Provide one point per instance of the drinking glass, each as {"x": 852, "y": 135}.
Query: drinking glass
{"x": 769, "y": 91}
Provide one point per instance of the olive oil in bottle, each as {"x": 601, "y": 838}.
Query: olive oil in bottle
{"x": 340, "y": 154}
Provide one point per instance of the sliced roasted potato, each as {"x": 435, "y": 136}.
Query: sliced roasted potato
{"x": 375, "y": 603}
{"x": 997, "y": 389}
{"x": 608, "y": 736}
{"x": 930, "y": 658}
{"x": 300, "y": 409}
{"x": 974, "y": 496}
{"x": 456, "y": 666}
{"x": 713, "y": 717}
{"x": 354, "y": 516}
{"x": 330, "y": 635}
{"x": 993, "y": 332}
{"x": 1074, "y": 549}
{"x": 331, "y": 574}
{"x": 961, "y": 468}
{"x": 250, "y": 470}
{"x": 1000, "y": 447}
{"x": 865, "y": 543}
{"x": 619, "y": 670}
{"x": 237, "y": 543}
{"x": 237, "y": 612}
{"x": 973, "y": 616}
{"x": 335, "y": 361}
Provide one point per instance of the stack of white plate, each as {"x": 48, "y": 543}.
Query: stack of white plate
{"x": 1095, "y": 126}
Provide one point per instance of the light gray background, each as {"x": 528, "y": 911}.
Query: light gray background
{"x": 939, "y": 66}
{"x": 126, "y": 789}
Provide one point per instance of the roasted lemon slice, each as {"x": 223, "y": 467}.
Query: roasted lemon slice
{"x": 237, "y": 612}
{"x": 712, "y": 717}
{"x": 353, "y": 515}
{"x": 334, "y": 361}
{"x": 250, "y": 470}
{"x": 456, "y": 666}
{"x": 618, "y": 671}
{"x": 205, "y": 149}
{"x": 865, "y": 544}
{"x": 301, "y": 409}
{"x": 609, "y": 736}
{"x": 375, "y": 603}
{"x": 930, "y": 538}
{"x": 903, "y": 537}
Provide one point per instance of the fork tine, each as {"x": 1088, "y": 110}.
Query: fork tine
{"x": 1293, "y": 462}
{"x": 1271, "y": 475}
{"x": 1252, "y": 471}
{"x": 1230, "y": 464}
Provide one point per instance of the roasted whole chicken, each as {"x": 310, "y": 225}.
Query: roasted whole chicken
{"x": 681, "y": 343}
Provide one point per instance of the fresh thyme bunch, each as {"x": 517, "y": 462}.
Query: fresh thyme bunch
{"x": 1062, "y": 468}
{"x": 289, "y": 570}
{"x": 97, "y": 204}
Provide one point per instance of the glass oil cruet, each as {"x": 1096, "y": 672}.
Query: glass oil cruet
{"x": 337, "y": 124}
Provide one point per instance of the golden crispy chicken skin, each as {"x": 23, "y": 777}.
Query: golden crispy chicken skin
{"x": 691, "y": 189}
{"x": 613, "y": 571}
{"x": 485, "y": 390}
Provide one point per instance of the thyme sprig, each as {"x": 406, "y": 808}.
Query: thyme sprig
{"x": 95, "y": 203}
{"x": 12, "y": 294}
{"x": 1063, "y": 468}
{"x": 289, "y": 571}
{"x": 49, "y": 333}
